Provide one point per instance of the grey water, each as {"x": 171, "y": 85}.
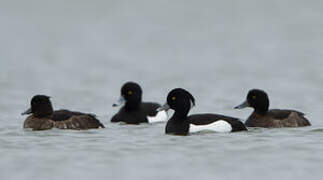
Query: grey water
{"x": 80, "y": 53}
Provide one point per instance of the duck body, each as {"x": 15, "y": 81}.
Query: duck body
{"x": 137, "y": 116}
{"x": 205, "y": 119}
{"x": 63, "y": 119}
{"x": 37, "y": 124}
{"x": 204, "y": 122}
{"x": 278, "y": 118}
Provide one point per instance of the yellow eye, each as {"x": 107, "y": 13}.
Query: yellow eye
{"x": 173, "y": 98}
{"x": 253, "y": 97}
{"x": 129, "y": 92}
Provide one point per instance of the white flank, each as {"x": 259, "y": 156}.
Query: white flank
{"x": 218, "y": 126}
{"x": 161, "y": 116}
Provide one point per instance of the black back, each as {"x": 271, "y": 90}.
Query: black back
{"x": 136, "y": 116}
{"x": 63, "y": 114}
{"x": 150, "y": 108}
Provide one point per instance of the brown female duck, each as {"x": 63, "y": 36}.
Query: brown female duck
{"x": 43, "y": 117}
{"x": 274, "y": 118}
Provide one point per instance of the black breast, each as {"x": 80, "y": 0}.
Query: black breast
{"x": 177, "y": 127}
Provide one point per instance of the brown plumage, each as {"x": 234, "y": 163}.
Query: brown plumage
{"x": 43, "y": 117}
{"x": 37, "y": 124}
{"x": 277, "y": 118}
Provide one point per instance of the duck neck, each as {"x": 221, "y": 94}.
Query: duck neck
{"x": 132, "y": 105}
{"x": 180, "y": 116}
{"x": 261, "y": 110}
{"x": 46, "y": 111}
{"x": 261, "y": 107}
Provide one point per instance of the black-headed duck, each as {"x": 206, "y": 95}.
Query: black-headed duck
{"x": 274, "y": 118}
{"x": 181, "y": 101}
{"x": 133, "y": 110}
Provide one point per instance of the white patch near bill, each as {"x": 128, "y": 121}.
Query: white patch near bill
{"x": 218, "y": 126}
{"x": 161, "y": 116}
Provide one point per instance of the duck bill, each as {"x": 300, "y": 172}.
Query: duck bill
{"x": 120, "y": 102}
{"x": 165, "y": 107}
{"x": 27, "y": 112}
{"x": 243, "y": 105}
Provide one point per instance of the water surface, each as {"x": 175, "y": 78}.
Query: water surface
{"x": 81, "y": 52}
